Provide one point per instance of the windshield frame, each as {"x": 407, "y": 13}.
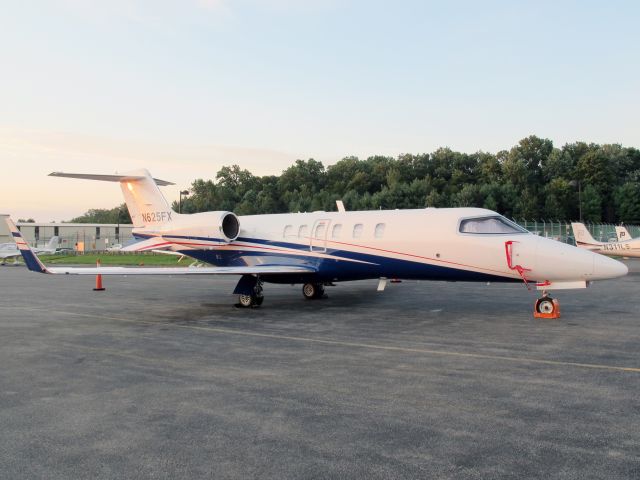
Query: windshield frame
{"x": 519, "y": 230}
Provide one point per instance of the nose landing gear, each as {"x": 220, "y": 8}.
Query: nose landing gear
{"x": 546, "y": 307}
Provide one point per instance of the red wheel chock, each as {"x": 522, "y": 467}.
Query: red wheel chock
{"x": 554, "y": 313}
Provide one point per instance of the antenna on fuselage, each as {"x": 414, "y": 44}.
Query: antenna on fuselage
{"x": 340, "y": 206}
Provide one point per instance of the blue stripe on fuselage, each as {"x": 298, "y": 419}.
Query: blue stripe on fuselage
{"x": 343, "y": 266}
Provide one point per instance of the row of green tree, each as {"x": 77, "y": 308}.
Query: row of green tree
{"x": 532, "y": 180}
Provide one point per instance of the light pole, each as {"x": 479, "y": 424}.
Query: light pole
{"x": 573, "y": 183}
{"x": 185, "y": 193}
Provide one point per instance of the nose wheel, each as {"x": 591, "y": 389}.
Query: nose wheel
{"x": 546, "y": 307}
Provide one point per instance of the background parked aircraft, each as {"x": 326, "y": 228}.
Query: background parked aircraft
{"x": 10, "y": 250}
{"x": 626, "y": 248}
{"x": 622, "y": 233}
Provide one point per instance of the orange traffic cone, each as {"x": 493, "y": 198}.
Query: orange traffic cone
{"x": 99, "y": 286}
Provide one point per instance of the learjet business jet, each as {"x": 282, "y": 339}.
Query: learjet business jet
{"x": 320, "y": 248}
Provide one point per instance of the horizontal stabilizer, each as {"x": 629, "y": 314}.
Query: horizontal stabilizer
{"x": 108, "y": 178}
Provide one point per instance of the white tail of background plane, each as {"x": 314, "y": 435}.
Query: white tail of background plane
{"x": 622, "y": 233}
{"x": 53, "y": 243}
{"x": 145, "y": 202}
{"x": 582, "y": 235}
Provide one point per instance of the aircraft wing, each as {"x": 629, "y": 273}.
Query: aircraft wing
{"x": 9, "y": 254}
{"x": 255, "y": 270}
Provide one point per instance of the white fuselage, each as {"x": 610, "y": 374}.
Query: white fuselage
{"x": 426, "y": 243}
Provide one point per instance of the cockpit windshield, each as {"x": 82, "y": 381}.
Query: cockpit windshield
{"x": 490, "y": 225}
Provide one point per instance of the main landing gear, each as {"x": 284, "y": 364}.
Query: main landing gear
{"x": 546, "y": 307}
{"x": 313, "y": 291}
{"x": 254, "y": 300}
{"x": 249, "y": 289}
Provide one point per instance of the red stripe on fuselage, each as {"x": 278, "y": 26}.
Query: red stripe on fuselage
{"x": 289, "y": 251}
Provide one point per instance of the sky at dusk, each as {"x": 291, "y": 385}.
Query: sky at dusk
{"x": 184, "y": 87}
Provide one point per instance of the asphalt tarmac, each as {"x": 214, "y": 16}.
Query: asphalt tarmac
{"x": 164, "y": 378}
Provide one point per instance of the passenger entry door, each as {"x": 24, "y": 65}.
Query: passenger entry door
{"x": 318, "y": 237}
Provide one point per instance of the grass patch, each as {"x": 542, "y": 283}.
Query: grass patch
{"x": 136, "y": 259}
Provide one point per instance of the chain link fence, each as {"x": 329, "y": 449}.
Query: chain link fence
{"x": 561, "y": 231}
{"x": 85, "y": 240}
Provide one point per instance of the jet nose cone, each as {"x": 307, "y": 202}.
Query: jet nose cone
{"x": 605, "y": 267}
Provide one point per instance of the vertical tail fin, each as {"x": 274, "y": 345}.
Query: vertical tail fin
{"x": 145, "y": 202}
{"x": 622, "y": 233}
{"x": 53, "y": 243}
{"x": 582, "y": 235}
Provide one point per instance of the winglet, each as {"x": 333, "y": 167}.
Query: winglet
{"x": 33, "y": 262}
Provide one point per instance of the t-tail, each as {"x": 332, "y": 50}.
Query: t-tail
{"x": 146, "y": 204}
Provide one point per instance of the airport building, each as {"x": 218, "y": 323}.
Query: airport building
{"x": 83, "y": 237}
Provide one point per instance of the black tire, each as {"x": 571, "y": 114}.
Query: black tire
{"x": 258, "y": 300}
{"x": 545, "y": 305}
{"x": 313, "y": 291}
{"x": 245, "y": 301}
{"x": 309, "y": 290}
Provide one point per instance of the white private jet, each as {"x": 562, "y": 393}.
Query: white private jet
{"x": 625, "y": 248}
{"x": 319, "y": 248}
{"x": 10, "y": 250}
{"x": 622, "y": 233}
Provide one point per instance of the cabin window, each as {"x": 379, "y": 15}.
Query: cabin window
{"x": 320, "y": 230}
{"x": 288, "y": 230}
{"x": 335, "y": 233}
{"x": 303, "y": 231}
{"x": 379, "y": 231}
{"x": 357, "y": 230}
{"x": 490, "y": 225}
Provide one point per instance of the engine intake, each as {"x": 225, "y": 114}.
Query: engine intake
{"x": 229, "y": 226}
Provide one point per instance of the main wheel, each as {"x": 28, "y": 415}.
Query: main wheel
{"x": 545, "y": 305}
{"x": 246, "y": 301}
{"x": 312, "y": 291}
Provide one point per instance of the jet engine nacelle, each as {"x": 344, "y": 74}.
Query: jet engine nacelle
{"x": 228, "y": 225}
